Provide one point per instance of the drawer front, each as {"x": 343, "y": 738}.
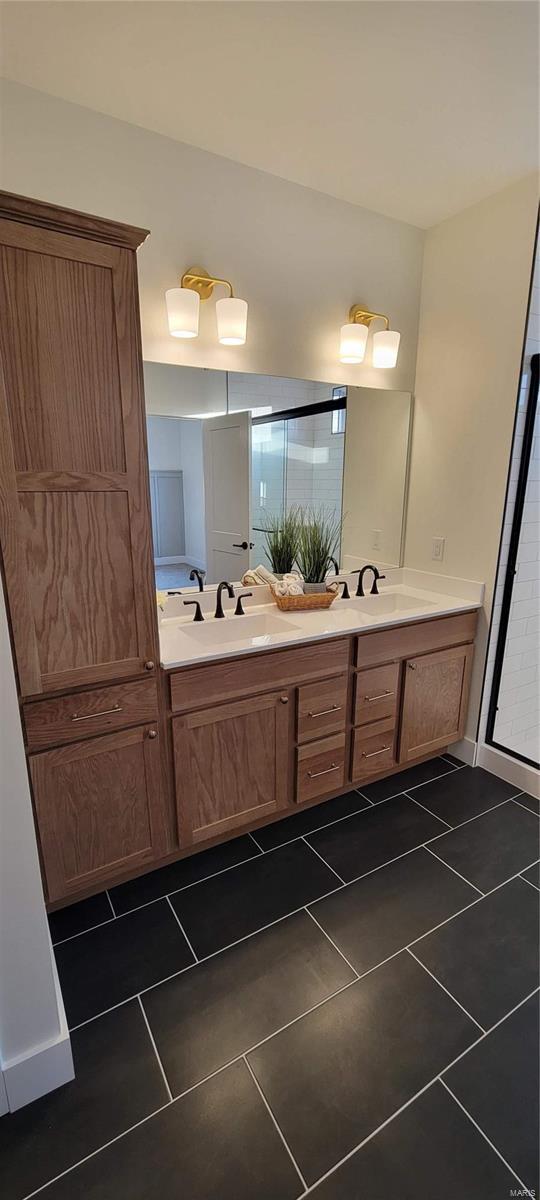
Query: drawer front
{"x": 321, "y": 708}
{"x": 86, "y": 714}
{"x": 374, "y": 749}
{"x": 197, "y": 687}
{"x": 376, "y": 694}
{"x": 405, "y": 641}
{"x": 320, "y": 768}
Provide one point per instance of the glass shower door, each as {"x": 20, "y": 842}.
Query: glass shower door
{"x": 268, "y": 482}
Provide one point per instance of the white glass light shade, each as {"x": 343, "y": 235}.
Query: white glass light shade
{"x": 231, "y": 317}
{"x": 385, "y": 348}
{"x": 352, "y": 346}
{"x": 183, "y": 312}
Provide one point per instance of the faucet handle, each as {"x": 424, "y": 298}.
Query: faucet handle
{"x": 198, "y": 613}
{"x": 376, "y": 577}
{"x": 345, "y": 595}
{"x": 239, "y": 612}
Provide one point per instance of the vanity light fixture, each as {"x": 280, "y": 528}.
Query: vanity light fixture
{"x": 183, "y": 308}
{"x": 354, "y": 336}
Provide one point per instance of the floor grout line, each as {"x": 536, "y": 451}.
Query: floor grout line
{"x": 530, "y": 883}
{"x": 458, "y": 873}
{"x": 524, "y": 806}
{"x": 254, "y": 839}
{"x": 156, "y": 1051}
{"x": 445, "y": 989}
{"x": 110, "y": 901}
{"x": 428, "y": 810}
{"x": 81, "y": 933}
{"x": 332, "y": 942}
{"x": 279, "y": 1130}
{"x": 323, "y": 860}
{"x": 488, "y": 1140}
{"x": 181, "y": 927}
{"x": 484, "y": 813}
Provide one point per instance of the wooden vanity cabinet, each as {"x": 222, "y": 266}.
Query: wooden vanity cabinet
{"x": 435, "y": 695}
{"x": 231, "y": 764}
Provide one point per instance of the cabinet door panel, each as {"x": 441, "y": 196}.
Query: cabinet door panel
{"x": 74, "y": 511}
{"x": 434, "y": 701}
{"x": 98, "y": 808}
{"x": 231, "y": 765}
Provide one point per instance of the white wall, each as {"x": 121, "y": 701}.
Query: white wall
{"x": 299, "y": 257}
{"x": 475, "y": 287}
{"x": 35, "y": 1052}
{"x": 175, "y": 444}
{"x": 376, "y": 459}
{"x": 173, "y": 393}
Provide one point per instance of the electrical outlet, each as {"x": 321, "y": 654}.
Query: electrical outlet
{"x": 437, "y": 548}
{"x": 376, "y": 541}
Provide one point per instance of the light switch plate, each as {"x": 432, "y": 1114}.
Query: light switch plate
{"x": 437, "y": 548}
{"x": 376, "y": 543}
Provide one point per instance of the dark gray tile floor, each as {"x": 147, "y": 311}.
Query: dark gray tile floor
{"x": 255, "y": 1028}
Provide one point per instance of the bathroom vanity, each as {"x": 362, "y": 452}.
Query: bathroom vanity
{"x": 149, "y": 736}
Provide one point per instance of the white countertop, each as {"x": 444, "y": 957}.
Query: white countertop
{"x": 404, "y": 596}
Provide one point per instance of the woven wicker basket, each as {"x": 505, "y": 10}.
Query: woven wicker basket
{"x": 305, "y": 601}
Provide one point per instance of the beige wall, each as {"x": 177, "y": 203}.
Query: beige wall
{"x": 300, "y": 258}
{"x": 374, "y": 476}
{"x": 475, "y": 287}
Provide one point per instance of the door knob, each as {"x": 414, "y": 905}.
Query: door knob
{"x": 149, "y": 666}
{"x": 241, "y": 545}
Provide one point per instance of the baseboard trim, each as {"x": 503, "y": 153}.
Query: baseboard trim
{"x": 41, "y": 1069}
{"x": 526, "y": 778}
{"x": 465, "y": 750}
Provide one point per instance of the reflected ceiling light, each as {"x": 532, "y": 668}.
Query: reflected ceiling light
{"x": 354, "y": 336}
{"x": 183, "y": 308}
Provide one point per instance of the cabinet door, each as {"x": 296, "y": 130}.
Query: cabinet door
{"x": 231, "y": 765}
{"x": 98, "y": 808}
{"x": 434, "y": 701}
{"x": 74, "y": 511}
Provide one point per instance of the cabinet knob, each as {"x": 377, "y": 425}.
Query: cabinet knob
{"x": 411, "y": 666}
{"x": 152, "y": 733}
{"x": 149, "y": 666}
{"x": 284, "y": 699}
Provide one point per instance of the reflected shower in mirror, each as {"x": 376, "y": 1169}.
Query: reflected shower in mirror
{"x": 231, "y": 454}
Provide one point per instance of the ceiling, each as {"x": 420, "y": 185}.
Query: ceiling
{"x": 413, "y": 109}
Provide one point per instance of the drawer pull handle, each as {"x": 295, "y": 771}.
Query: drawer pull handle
{"x": 324, "y": 711}
{"x": 383, "y": 696}
{"x": 375, "y": 752}
{"x": 105, "y": 712}
{"x": 315, "y": 774}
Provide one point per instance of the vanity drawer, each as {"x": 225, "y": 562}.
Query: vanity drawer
{"x": 85, "y": 714}
{"x": 214, "y": 683}
{"x": 376, "y": 694}
{"x": 406, "y": 641}
{"x": 374, "y": 749}
{"x": 321, "y": 708}
{"x": 320, "y": 768}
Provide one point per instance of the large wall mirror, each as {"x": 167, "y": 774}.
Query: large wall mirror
{"x": 231, "y": 453}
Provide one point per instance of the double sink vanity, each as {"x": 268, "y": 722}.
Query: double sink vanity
{"x": 148, "y": 734}
{"x": 272, "y": 710}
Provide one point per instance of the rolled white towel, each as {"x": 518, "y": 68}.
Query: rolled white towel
{"x": 258, "y": 575}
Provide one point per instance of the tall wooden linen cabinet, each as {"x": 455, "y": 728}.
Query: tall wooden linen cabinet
{"x": 75, "y": 533}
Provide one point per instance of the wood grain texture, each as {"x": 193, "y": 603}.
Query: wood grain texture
{"x": 321, "y": 708}
{"x": 435, "y": 696}
{"x": 374, "y": 682}
{"x": 320, "y": 767}
{"x": 58, "y": 344}
{"x": 377, "y": 739}
{"x": 194, "y": 686}
{"x": 403, "y": 641}
{"x": 67, "y": 220}
{"x": 71, "y": 350}
{"x": 78, "y": 716}
{"x": 230, "y": 765}
{"x": 95, "y": 803}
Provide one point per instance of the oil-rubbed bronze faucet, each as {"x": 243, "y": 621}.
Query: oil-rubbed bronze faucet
{"x": 376, "y": 575}
{"x": 230, "y": 591}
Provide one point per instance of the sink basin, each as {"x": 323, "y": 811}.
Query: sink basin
{"x": 237, "y": 629}
{"x": 391, "y": 602}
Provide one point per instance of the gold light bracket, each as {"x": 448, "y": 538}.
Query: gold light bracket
{"x": 363, "y": 316}
{"x": 198, "y": 280}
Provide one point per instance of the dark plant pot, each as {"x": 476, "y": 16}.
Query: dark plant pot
{"x": 314, "y": 587}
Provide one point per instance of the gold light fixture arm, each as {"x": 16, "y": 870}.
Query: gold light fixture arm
{"x": 363, "y": 316}
{"x": 198, "y": 280}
